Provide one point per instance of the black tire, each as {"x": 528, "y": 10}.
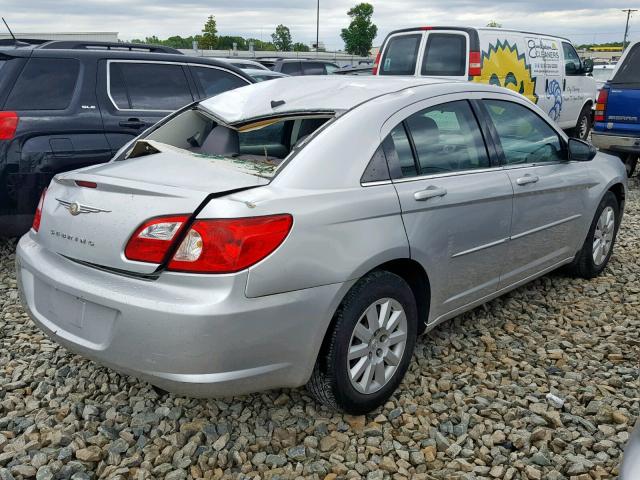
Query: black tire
{"x": 584, "y": 265}
{"x": 583, "y": 119}
{"x": 630, "y": 163}
{"x": 330, "y": 383}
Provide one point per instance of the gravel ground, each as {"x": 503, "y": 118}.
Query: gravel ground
{"x": 472, "y": 405}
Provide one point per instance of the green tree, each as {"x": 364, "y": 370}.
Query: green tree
{"x": 225, "y": 42}
{"x": 494, "y": 24}
{"x": 209, "y": 34}
{"x": 358, "y": 37}
{"x": 260, "y": 45}
{"x": 300, "y": 47}
{"x": 282, "y": 38}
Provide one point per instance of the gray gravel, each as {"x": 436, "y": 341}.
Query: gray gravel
{"x": 472, "y": 405}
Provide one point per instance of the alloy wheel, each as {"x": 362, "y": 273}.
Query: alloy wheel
{"x": 603, "y": 235}
{"x": 377, "y": 345}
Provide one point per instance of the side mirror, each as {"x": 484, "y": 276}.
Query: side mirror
{"x": 581, "y": 151}
{"x": 587, "y": 65}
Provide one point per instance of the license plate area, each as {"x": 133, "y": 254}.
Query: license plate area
{"x": 72, "y": 316}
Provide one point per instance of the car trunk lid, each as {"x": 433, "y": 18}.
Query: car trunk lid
{"x": 93, "y": 224}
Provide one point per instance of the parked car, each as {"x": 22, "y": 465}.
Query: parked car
{"x": 602, "y": 74}
{"x": 354, "y": 70}
{"x": 244, "y": 63}
{"x": 297, "y": 67}
{"x": 287, "y": 245}
{"x": 545, "y": 69}
{"x": 617, "y": 118}
{"x": 65, "y": 105}
{"x": 264, "y": 74}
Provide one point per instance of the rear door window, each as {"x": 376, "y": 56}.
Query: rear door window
{"x": 291, "y": 68}
{"x": 629, "y": 71}
{"x": 148, "y": 86}
{"x": 445, "y": 55}
{"x": 214, "y": 80}
{"x": 45, "y": 84}
{"x": 400, "y": 55}
{"x": 314, "y": 68}
{"x": 447, "y": 138}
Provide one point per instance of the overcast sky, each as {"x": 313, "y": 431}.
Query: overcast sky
{"x": 584, "y": 22}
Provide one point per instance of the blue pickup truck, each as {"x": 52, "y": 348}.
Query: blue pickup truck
{"x": 616, "y": 126}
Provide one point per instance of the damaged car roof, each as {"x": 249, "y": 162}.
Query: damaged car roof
{"x": 308, "y": 94}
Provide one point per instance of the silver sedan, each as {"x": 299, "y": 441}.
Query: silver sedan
{"x": 290, "y": 233}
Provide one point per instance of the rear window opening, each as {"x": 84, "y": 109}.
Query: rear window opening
{"x": 629, "y": 71}
{"x": 257, "y": 148}
{"x": 401, "y": 55}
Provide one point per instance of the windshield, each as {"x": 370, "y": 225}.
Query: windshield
{"x": 257, "y": 148}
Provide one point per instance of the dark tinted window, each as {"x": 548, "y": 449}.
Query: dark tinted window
{"x": 377, "y": 169}
{"x": 400, "y": 55}
{"x": 214, "y": 81}
{"x": 447, "y": 139}
{"x": 2, "y": 63}
{"x": 151, "y": 86}
{"x": 629, "y": 71}
{"x": 118, "y": 88}
{"x": 445, "y": 54}
{"x": 572, "y": 65}
{"x": 314, "y": 68}
{"x": 403, "y": 150}
{"x": 44, "y": 84}
{"x": 291, "y": 68}
{"x": 524, "y": 136}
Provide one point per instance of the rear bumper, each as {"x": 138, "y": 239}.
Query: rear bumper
{"x": 616, "y": 143}
{"x": 190, "y": 334}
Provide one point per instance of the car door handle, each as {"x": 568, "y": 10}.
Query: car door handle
{"x": 430, "y": 192}
{"x": 527, "y": 179}
{"x": 132, "y": 123}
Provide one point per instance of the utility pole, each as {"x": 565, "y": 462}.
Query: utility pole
{"x": 628, "y": 11}
{"x": 318, "y": 29}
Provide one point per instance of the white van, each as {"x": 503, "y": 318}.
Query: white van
{"x": 545, "y": 69}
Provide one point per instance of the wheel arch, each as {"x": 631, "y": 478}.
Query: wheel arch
{"x": 619, "y": 191}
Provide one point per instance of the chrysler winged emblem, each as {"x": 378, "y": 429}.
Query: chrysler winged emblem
{"x": 76, "y": 208}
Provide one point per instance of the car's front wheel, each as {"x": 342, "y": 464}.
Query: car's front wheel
{"x": 366, "y": 354}
{"x": 592, "y": 259}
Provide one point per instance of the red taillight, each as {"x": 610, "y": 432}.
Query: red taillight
{"x": 376, "y": 64}
{"x": 8, "y": 125}
{"x": 426, "y": 28}
{"x": 475, "y": 64}
{"x": 152, "y": 240}
{"x": 38, "y": 216}
{"x": 86, "y": 184}
{"x": 230, "y": 245}
{"x": 601, "y": 105}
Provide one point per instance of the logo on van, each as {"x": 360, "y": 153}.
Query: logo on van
{"x": 504, "y": 66}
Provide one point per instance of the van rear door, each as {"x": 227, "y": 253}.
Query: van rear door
{"x": 431, "y": 51}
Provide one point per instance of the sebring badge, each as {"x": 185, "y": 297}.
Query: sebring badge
{"x": 76, "y": 208}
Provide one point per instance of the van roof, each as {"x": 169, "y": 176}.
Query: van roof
{"x": 469, "y": 30}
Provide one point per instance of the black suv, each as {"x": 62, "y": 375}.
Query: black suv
{"x": 297, "y": 66}
{"x": 66, "y": 105}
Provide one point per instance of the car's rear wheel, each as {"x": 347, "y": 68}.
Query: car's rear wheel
{"x": 367, "y": 352}
{"x": 594, "y": 256}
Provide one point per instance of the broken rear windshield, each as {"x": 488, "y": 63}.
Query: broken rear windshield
{"x": 257, "y": 148}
